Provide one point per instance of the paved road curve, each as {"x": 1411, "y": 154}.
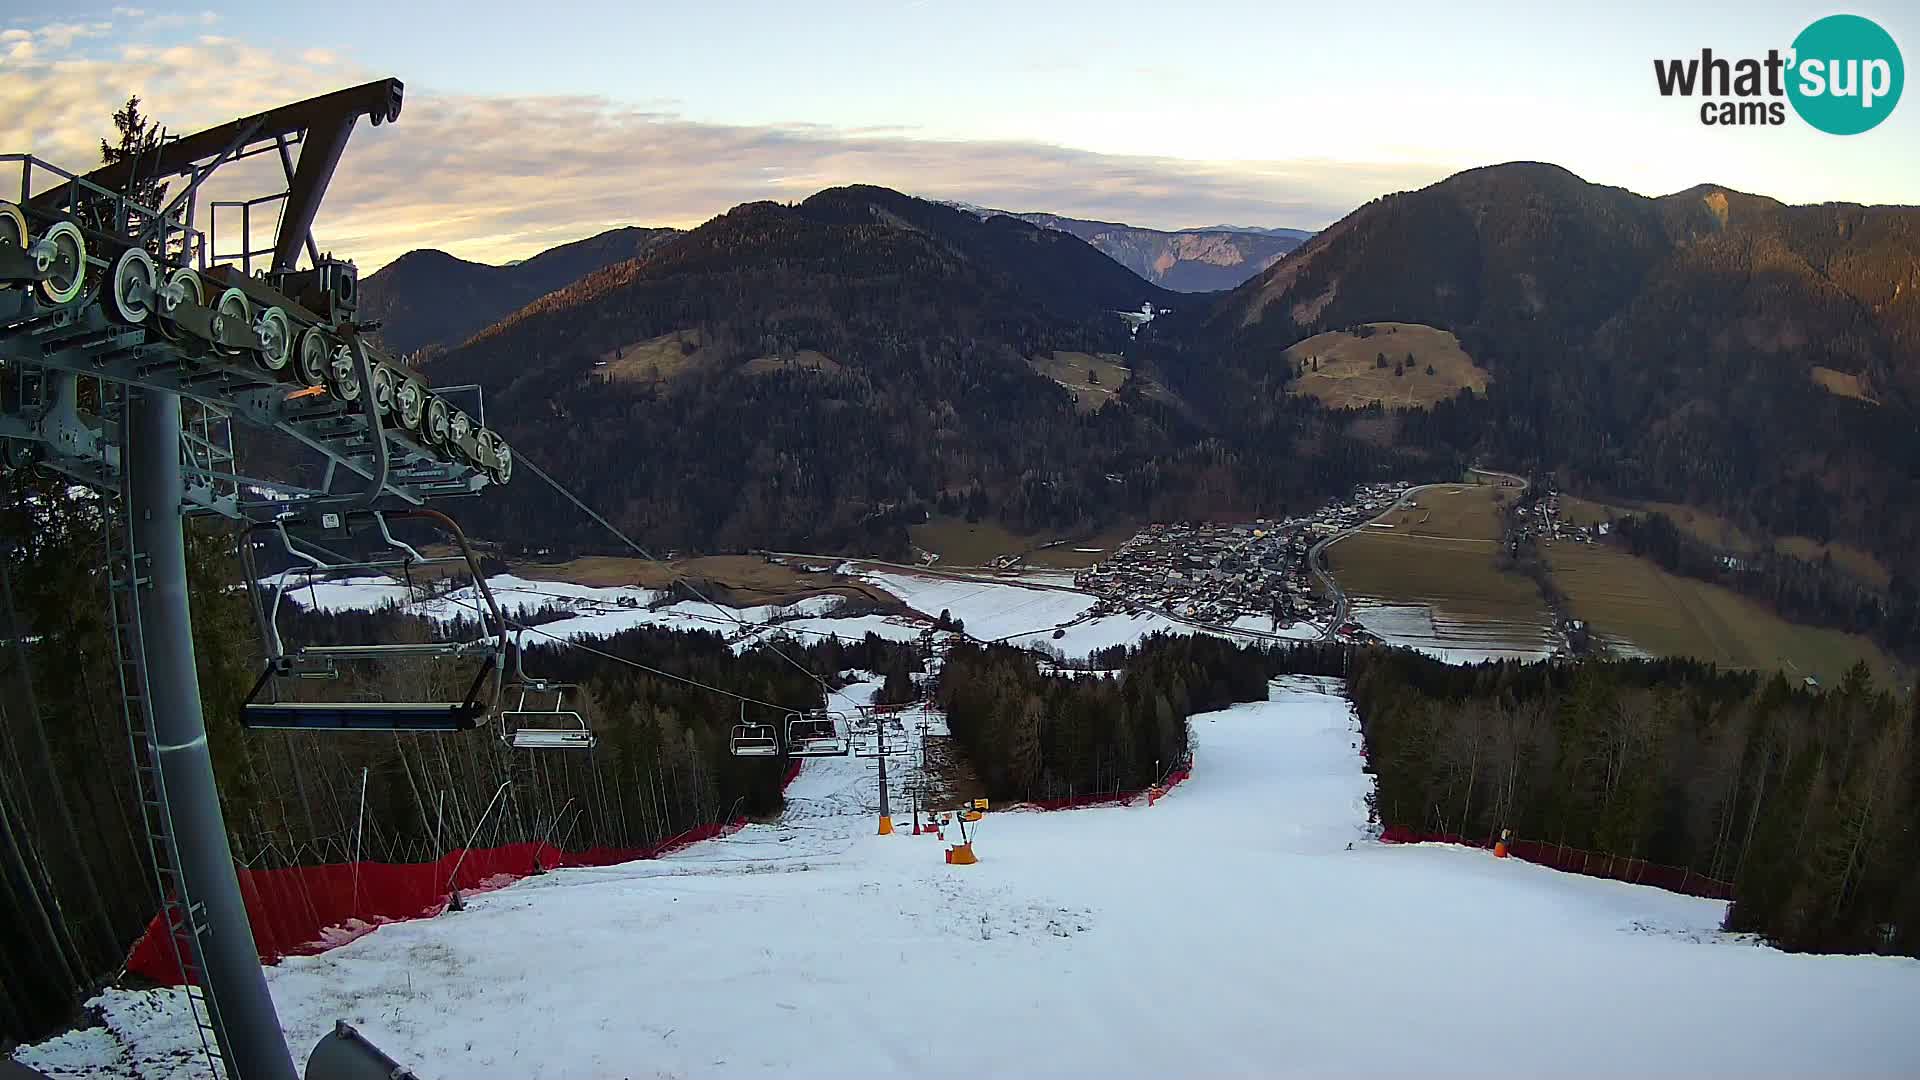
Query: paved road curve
{"x": 1316, "y": 556}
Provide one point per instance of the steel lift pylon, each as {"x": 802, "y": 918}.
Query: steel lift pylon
{"x": 129, "y": 345}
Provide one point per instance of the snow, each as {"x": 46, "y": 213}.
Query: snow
{"x": 991, "y": 610}
{"x": 1228, "y": 930}
{"x": 1262, "y": 624}
{"x": 1454, "y": 639}
{"x": 1080, "y": 640}
{"x": 605, "y": 611}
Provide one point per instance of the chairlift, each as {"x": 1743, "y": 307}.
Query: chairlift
{"x": 558, "y": 728}
{"x": 308, "y": 540}
{"x": 816, "y": 734}
{"x": 753, "y": 740}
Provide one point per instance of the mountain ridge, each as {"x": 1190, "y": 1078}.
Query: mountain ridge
{"x": 428, "y": 298}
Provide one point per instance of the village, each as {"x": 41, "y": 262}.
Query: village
{"x": 1252, "y": 575}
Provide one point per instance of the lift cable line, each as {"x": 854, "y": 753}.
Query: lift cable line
{"x": 536, "y": 470}
{"x": 477, "y": 606}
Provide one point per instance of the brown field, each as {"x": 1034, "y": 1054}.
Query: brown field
{"x": 1064, "y": 557}
{"x": 1703, "y": 525}
{"x": 1721, "y": 533}
{"x": 1707, "y": 526}
{"x": 1071, "y": 370}
{"x": 1349, "y": 379}
{"x": 749, "y": 578}
{"x": 807, "y": 359}
{"x": 1458, "y": 576}
{"x": 1841, "y": 384}
{"x": 1441, "y": 552}
{"x": 1586, "y": 512}
{"x": 674, "y": 354}
{"x": 959, "y": 543}
{"x": 1850, "y": 559}
{"x": 662, "y": 357}
{"x": 1466, "y": 511}
{"x": 1632, "y": 600}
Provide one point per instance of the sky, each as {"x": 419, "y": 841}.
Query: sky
{"x": 528, "y": 125}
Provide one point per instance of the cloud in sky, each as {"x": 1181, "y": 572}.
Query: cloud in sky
{"x": 494, "y": 178}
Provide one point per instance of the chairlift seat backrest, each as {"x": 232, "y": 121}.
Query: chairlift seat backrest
{"x": 753, "y": 740}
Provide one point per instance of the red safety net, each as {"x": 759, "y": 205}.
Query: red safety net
{"x": 303, "y": 910}
{"x": 1678, "y": 879}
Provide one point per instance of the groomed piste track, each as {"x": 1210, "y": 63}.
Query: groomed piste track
{"x": 1246, "y": 925}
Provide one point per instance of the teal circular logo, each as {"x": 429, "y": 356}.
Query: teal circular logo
{"x": 1846, "y": 75}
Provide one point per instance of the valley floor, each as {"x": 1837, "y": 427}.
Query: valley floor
{"x": 1247, "y": 925}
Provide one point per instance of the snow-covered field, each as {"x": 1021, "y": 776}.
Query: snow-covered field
{"x": 992, "y": 609}
{"x": 1245, "y": 926}
{"x": 601, "y": 612}
{"x": 1452, "y": 638}
{"x": 1005, "y": 610}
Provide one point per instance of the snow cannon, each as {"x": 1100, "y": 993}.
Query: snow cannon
{"x": 1500, "y": 845}
{"x": 976, "y": 811}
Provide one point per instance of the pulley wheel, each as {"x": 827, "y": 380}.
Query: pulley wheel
{"x": 232, "y": 305}
{"x": 342, "y": 382}
{"x": 501, "y": 470}
{"x": 276, "y": 339}
{"x": 459, "y": 431}
{"x": 68, "y": 273}
{"x": 134, "y": 281}
{"x": 410, "y": 401}
{"x": 315, "y": 353}
{"x": 383, "y": 380}
{"x": 438, "y": 419}
{"x": 13, "y": 231}
{"x": 182, "y": 287}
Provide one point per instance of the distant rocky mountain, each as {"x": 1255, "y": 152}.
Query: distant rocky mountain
{"x": 430, "y": 299}
{"x": 1186, "y": 260}
{"x": 1301, "y": 235}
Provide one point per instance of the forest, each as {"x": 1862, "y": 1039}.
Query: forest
{"x": 1035, "y": 733}
{"x": 1808, "y": 801}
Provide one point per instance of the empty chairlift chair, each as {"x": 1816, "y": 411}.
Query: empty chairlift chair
{"x": 754, "y": 740}
{"x": 309, "y": 543}
{"x": 815, "y": 734}
{"x": 558, "y": 728}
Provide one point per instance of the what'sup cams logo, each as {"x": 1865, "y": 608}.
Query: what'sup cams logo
{"x": 1843, "y": 75}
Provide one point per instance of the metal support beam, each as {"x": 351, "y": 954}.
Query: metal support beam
{"x": 249, "y": 1028}
{"x": 319, "y": 153}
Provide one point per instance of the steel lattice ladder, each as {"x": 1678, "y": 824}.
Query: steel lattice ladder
{"x": 184, "y": 918}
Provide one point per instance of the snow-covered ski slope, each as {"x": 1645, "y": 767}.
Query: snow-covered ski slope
{"x": 1226, "y": 931}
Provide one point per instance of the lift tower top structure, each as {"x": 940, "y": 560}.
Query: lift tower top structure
{"x": 130, "y": 345}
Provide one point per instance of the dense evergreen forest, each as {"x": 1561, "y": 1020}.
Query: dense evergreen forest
{"x": 1808, "y": 802}
{"x": 1040, "y": 733}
